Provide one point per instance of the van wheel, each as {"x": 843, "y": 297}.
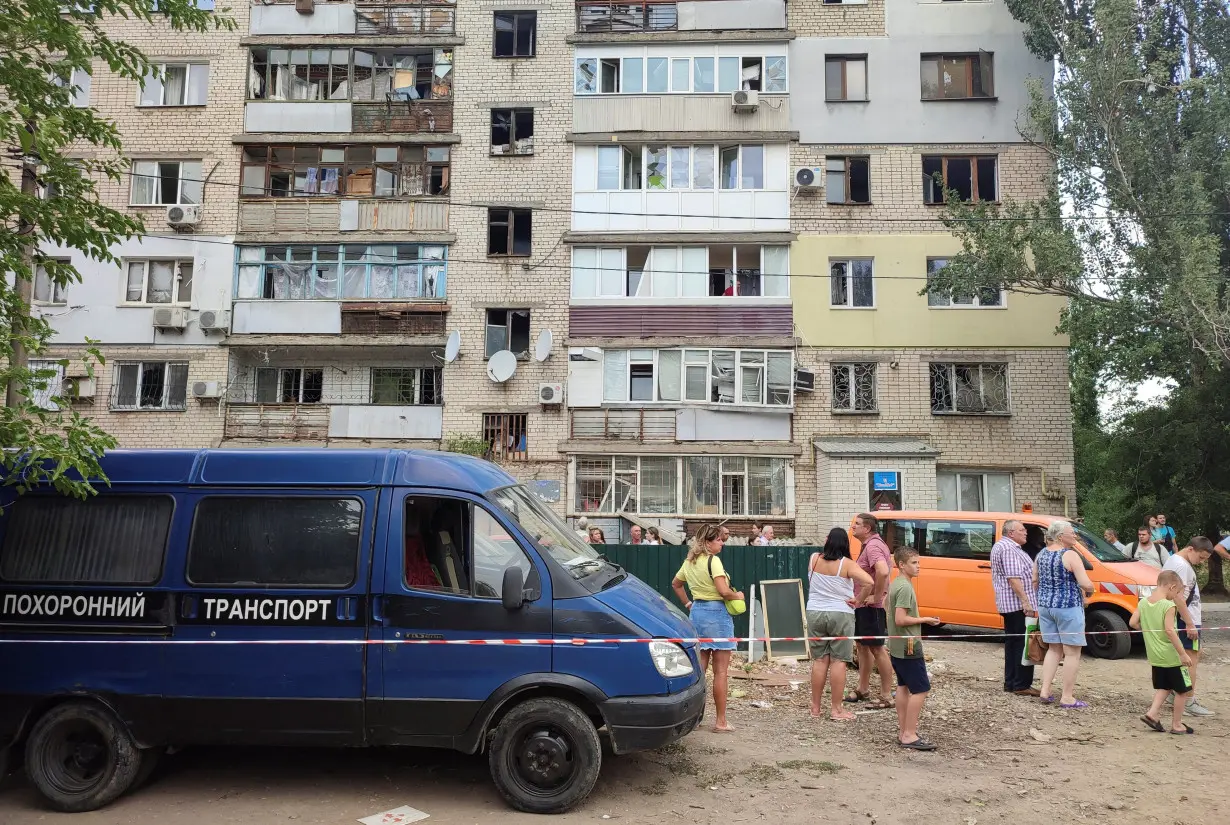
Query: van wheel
{"x": 150, "y": 759}
{"x": 1104, "y": 631}
{"x": 80, "y": 757}
{"x": 545, "y": 756}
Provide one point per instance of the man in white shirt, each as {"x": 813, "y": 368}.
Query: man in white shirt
{"x": 1184, "y": 563}
{"x": 1112, "y": 537}
{"x": 766, "y": 536}
{"x": 1146, "y": 550}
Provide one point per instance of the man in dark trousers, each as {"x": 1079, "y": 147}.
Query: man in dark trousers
{"x": 1012, "y": 574}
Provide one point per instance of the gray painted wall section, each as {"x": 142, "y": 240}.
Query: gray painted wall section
{"x": 283, "y": 19}
{"x": 720, "y": 15}
{"x": 278, "y": 116}
{"x": 895, "y": 112}
{"x": 282, "y": 317}
{"x": 713, "y": 425}
{"x": 676, "y": 113}
{"x": 347, "y": 421}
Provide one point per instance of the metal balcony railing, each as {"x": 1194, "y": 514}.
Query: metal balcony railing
{"x": 640, "y": 16}
{"x": 381, "y": 18}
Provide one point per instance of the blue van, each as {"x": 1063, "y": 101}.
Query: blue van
{"x": 288, "y": 597}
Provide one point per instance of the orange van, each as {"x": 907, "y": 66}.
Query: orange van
{"x": 955, "y": 584}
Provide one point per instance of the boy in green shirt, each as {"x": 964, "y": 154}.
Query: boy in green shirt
{"x": 1155, "y": 617}
{"x": 905, "y": 649}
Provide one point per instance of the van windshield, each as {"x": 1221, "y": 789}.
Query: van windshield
{"x": 1102, "y": 549}
{"x": 549, "y": 532}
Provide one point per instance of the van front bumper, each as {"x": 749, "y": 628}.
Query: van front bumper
{"x": 642, "y": 723}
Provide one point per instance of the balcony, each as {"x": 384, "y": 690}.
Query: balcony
{"x": 408, "y": 117}
{"x": 611, "y": 16}
{"x": 624, "y": 425}
{"x": 330, "y": 215}
{"x": 373, "y": 18}
{"x": 605, "y": 17}
{"x": 597, "y": 114}
{"x": 414, "y": 117}
{"x": 426, "y": 18}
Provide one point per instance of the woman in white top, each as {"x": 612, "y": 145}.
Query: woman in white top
{"x": 830, "y": 612}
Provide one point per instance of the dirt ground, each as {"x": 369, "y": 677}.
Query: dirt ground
{"x": 1002, "y": 759}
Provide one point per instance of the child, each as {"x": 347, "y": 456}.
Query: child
{"x": 905, "y": 650}
{"x": 1155, "y": 616}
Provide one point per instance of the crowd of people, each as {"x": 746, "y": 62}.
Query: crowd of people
{"x": 854, "y": 598}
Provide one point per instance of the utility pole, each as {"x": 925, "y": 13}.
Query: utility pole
{"x": 24, "y": 287}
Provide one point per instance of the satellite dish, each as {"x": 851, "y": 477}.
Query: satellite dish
{"x": 501, "y": 366}
{"x": 542, "y": 349}
{"x": 453, "y": 347}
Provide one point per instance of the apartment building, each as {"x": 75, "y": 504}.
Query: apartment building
{"x": 665, "y": 259}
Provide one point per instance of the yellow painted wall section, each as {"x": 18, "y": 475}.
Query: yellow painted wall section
{"x": 901, "y": 317}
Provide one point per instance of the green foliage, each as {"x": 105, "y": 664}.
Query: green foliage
{"x": 68, "y": 149}
{"x": 466, "y": 444}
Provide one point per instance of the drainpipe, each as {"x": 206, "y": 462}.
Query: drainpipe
{"x": 1054, "y": 495}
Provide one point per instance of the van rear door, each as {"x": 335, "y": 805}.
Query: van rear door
{"x": 445, "y": 554}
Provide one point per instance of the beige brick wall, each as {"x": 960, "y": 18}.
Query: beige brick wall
{"x": 896, "y": 186}
{"x": 199, "y": 425}
{"x": 184, "y": 133}
{"x": 817, "y": 19}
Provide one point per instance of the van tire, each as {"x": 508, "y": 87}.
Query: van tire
{"x": 80, "y": 757}
{"x": 151, "y": 758}
{"x": 1114, "y": 643}
{"x": 545, "y": 756}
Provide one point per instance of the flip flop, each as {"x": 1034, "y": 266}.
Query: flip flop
{"x": 1187, "y": 729}
{"x": 1047, "y": 700}
{"x": 855, "y": 696}
{"x": 918, "y": 744}
{"x": 1153, "y": 723}
{"x": 1077, "y": 705}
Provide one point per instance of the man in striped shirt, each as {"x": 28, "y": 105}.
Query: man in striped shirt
{"x": 1012, "y": 573}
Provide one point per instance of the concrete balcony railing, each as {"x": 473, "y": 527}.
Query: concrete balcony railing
{"x": 372, "y": 18}
{"x": 413, "y": 117}
{"x": 624, "y": 425}
{"x": 319, "y": 422}
{"x": 342, "y": 215}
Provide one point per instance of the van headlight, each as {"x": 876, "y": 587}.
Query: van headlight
{"x": 670, "y": 659}
{"x": 1145, "y": 590}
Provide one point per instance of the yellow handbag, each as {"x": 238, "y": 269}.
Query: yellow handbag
{"x": 735, "y": 607}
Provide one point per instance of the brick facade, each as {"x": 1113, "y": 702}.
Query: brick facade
{"x": 818, "y": 19}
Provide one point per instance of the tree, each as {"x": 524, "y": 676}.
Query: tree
{"x": 1135, "y": 231}
{"x": 48, "y": 195}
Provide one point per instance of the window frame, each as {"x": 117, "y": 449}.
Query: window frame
{"x": 975, "y": 302}
{"x": 280, "y": 373}
{"x": 849, "y": 277}
{"x": 583, "y": 87}
{"x": 418, "y": 388}
{"x": 513, "y": 215}
{"x": 513, "y": 113}
{"x": 437, "y": 83}
{"x": 429, "y": 168}
{"x": 929, "y": 182}
{"x": 497, "y": 425}
{"x": 685, "y": 279}
{"x": 516, "y": 17}
{"x": 429, "y": 272}
{"x": 847, "y": 173}
{"x": 281, "y": 494}
{"x": 982, "y": 482}
{"x": 668, "y": 154}
{"x": 969, "y": 59}
{"x": 508, "y": 331}
{"x": 950, "y": 367}
{"x": 737, "y": 382}
{"x": 177, "y": 281}
{"x": 56, "y": 291}
{"x": 850, "y": 367}
{"x": 844, "y": 60}
{"x": 181, "y": 178}
{"x": 136, "y": 406}
{"x": 162, "y": 86}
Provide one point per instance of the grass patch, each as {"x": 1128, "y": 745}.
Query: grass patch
{"x": 811, "y": 766}
{"x": 764, "y": 773}
{"x": 676, "y": 759}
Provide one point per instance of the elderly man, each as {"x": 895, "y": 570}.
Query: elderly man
{"x": 636, "y": 534}
{"x": 766, "y": 536}
{"x": 1012, "y": 574}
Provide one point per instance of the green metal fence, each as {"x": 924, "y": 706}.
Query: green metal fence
{"x": 657, "y": 565}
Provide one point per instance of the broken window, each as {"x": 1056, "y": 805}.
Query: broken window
{"x": 847, "y": 180}
{"x": 158, "y": 282}
{"x": 854, "y": 387}
{"x": 655, "y": 167}
{"x": 47, "y": 291}
{"x": 150, "y": 385}
{"x": 851, "y": 283}
{"x": 300, "y": 74}
{"x": 332, "y": 171}
{"x": 512, "y": 131}
{"x": 969, "y": 388}
{"x": 506, "y": 435}
{"x": 957, "y": 76}
{"x": 845, "y": 77}
{"x": 509, "y": 232}
{"x": 641, "y": 375}
{"x": 735, "y": 270}
{"x": 516, "y": 33}
{"x": 702, "y": 75}
{"x": 175, "y": 84}
{"x": 657, "y": 75}
{"x": 972, "y": 177}
{"x": 990, "y": 297}
{"x": 608, "y": 76}
{"x": 378, "y": 271}
{"x": 508, "y": 329}
{"x": 166, "y": 182}
{"x": 406, "y": 386}
{"x": 289, "y": 385}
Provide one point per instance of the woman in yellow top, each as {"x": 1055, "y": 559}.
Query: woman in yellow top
{"x": 706, "y": 578}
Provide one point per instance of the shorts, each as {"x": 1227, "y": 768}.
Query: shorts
{"x": 712, "y": 621}
{"x": 831, "y": 623}
{"x": 1062, "y": 625}
{"x": 1188, "y": 644}
{"x": 912, "y": 674}
{"x": 870, "y": 621}
{"x": 1177, "y": 679}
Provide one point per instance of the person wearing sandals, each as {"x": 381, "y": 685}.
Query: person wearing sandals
{"x": 906, "y": 652}
{"x": 876, "y": 561}
{"x": 1059, "y": 571}
{"x": 1155, "y": 618}
{"x": 830, "y": 612}
{"x": 706, "y": 579}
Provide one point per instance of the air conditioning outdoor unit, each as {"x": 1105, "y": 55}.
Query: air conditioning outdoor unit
{"x": 744, "y": 100}
{"x": 183, "y": 215}
{"x": 808, "y": 178}
{"x": 305, "y": 6}
{"x": 206, "y": 389}
{"x": 214, "y": 320}
{"x": 551, "y": 393}
{"x": 170, "y": 318}
{"x": 79, "y": 386}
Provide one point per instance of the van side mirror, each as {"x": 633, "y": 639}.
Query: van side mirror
{"x": 1088, "y": 564}
{"x": 513, "y": 588}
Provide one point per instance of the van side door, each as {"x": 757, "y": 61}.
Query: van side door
{"x": 444, "y": 562}
{"x": 956, "y": 571}
{"x": 274, "y": 590}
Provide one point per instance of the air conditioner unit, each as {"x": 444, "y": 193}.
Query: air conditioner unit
{"x": 183, "y": 215}
{"x": 551, "y": 393}
{"x": 305, "y": 6}
{"x": 804, "y": 381}
{"x": 78, "y": 386}
{"x": 170, "y": 318}
{"x": 214, "y": 320}
{"x": 744, "y": 100}
{"x": 206, "y": 389}
{"x": 808, "y": 178}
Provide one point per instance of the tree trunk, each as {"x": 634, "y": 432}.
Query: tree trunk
{"x": 13, "y": 396}
{"x": 1217, "y": 580}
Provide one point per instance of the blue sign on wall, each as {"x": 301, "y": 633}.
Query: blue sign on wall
{"x": 884, "y": 480}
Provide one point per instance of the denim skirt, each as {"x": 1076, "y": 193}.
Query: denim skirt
{"x": 712, "y": 621}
